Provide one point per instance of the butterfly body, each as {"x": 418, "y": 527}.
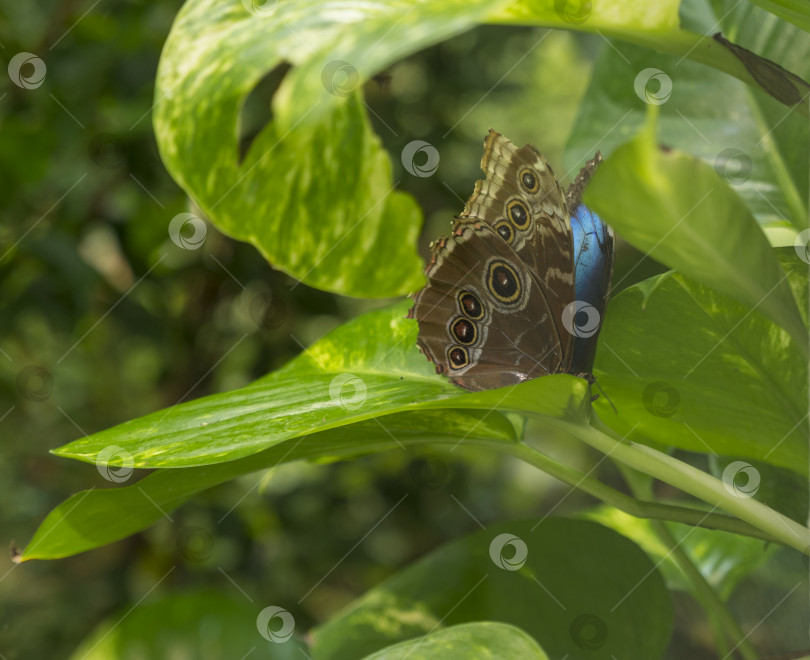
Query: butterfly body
{"x": 497, "y": 309}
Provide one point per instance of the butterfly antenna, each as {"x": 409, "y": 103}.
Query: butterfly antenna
{"x": 596, "y": 382}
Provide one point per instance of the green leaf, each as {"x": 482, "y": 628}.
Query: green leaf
{"x": 757, "y": 145}
{"x": 314, "y": 193}
{"x": 206, "y": 625}
{"x": 687, "y": 367}
{"x": 784, "y": 136}
{"x": 631, "y": 19}
{"x": 795, "y": 11}
{"x": 483, "y": 640}
{"x": 92, "y": 518}
{"x": 368, "y": 368}
{"x": 677, "y": 210}
{"x": 722, "y": 558}
{"x": 654, "y": 26}
{"x": 552, "y": 596}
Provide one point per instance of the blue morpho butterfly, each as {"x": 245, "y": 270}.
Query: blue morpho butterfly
{"x": 519, "y": 288}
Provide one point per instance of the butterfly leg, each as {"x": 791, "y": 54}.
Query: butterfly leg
{"x": 591, "y": 380}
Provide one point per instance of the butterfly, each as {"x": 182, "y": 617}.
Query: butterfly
{"x": 519, "y": 288}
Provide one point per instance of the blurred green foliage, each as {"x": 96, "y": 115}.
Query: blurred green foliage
{"x": 187, "y": 328}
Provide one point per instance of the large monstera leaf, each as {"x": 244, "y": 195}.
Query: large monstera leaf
{"x": 314, "y": 191}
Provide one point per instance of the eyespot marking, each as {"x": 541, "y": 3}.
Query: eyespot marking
{"x": 505, "y": 230}
{"x": 470, "y": 306}
{"x": 517, "y": 212}
{"x": 458, "y": 357}
{"x": 528, "y": 180}
{"x": 503, "y": 281}
{"x": 464, "y": 331}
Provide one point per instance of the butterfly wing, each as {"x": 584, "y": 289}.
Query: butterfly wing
{"x": 523, "y": 202}
{"x": 483, "y": 318}
{"x": 593, "y": 269}
{"x": 492, "y": 312}
{"x": 593, "y": 266}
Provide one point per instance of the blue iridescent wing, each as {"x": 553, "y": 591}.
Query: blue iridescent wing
{"x": 593, "y": 268}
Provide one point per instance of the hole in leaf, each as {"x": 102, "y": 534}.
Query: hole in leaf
{"x": 257, "y": 110}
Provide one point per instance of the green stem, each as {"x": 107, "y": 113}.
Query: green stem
{"x": 726, "y": 626}
{"x": 630, "y": 505}
{"x": 693, "y": 481}
{"x": 711, "y": 601}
